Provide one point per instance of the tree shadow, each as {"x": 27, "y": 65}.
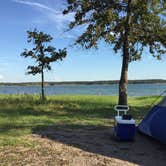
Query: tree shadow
{"x": 100, "y": 140}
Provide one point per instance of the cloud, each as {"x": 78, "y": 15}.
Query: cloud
{"x": 4, "y": 67}
{"x": 56, "y": 16}
{"x": 58, "y": 79}
{"x": 70, "y": 36}
{"x": 1, "y": 77}
{"x": 35, "y": 4}
{"x": 60, "y": 19}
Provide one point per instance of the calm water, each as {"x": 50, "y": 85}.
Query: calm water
{"x": 133, "y": 89}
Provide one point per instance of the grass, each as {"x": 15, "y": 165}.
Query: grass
{"x": 21, "y": 114}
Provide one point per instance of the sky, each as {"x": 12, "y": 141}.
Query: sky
{"x": 18, "y": 16}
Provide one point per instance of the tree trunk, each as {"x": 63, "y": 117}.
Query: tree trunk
{"x": 42, "y": 85}
{"x": 124, "y": 77}
{"x": 124, "y": 71}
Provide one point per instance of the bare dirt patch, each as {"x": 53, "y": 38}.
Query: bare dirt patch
{"x": 89, "y": 146}
{"x": 100, "y": 141}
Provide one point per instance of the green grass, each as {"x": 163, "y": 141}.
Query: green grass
{"x": 22, "y": 114}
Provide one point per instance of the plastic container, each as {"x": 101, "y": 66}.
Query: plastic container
{"x": 124, "y": 129}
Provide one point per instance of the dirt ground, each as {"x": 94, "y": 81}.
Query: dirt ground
{"x": 90, "y": 146}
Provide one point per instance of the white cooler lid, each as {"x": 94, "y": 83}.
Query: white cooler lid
{"x": 119, "y": 119}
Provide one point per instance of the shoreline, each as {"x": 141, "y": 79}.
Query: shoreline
{"x": 109, "y": 82}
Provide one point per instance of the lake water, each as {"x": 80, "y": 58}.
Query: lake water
{"x": 95, "y": 89}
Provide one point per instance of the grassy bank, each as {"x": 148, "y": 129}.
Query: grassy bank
{"x": 21, "y": 114}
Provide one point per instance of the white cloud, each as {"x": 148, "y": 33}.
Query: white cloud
{"x": 1, "y": 77}
{"x": 35, "y": 4}
{"x": 4, "y": 67}
{"x": 70, "y": 36}
{"x": 58, "y": 79}
{"x": 60, "y": 19}
{"x": 56, "y": 16}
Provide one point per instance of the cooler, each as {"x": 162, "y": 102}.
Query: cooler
{"x": 124, "y": 129}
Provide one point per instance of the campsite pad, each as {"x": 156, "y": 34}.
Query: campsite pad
{"x": 88, "y": 146}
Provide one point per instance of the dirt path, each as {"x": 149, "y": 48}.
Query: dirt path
{"x": 91, "y": 146}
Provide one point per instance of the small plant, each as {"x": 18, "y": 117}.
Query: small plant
{"x": 43, "y": 54}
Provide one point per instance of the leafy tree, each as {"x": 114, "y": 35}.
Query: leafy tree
{"x": 43, "y": 54}
{"x": 129, "y": 25}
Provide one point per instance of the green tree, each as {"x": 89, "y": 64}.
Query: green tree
{"x": 43, "y": 54}
{"x": 129, "y": 26}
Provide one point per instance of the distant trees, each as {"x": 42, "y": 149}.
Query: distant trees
{"x": 43, "y": 55}
{"x": 129, "y": 25}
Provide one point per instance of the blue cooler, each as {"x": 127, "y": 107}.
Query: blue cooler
{"x": 124, "y": 129}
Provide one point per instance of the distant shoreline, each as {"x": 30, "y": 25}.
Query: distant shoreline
{"x": 149, "y": 81}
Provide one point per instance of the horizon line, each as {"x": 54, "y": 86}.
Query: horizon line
{"x": 88, "y": 81}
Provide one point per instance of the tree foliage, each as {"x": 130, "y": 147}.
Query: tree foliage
{"x": 106, "y": 20}
{"x": 130, "y": 26}
{"x": 42, "y": 53}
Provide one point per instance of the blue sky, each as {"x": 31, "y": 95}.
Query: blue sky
{"x": 18, "y": 16}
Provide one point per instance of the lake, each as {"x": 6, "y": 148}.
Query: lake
{"x": 95, "y": 89}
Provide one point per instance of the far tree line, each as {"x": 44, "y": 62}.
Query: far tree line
{"x": 129, "y": 26}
